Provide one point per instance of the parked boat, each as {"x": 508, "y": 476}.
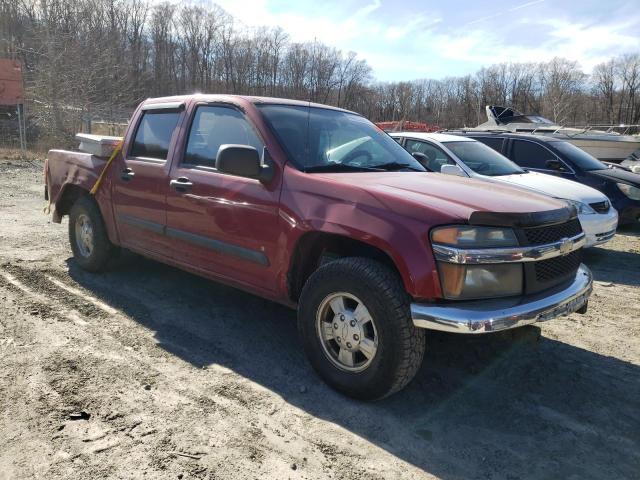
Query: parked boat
{"x": 606, "y": 145}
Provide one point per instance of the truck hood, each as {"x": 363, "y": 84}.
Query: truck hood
{"x": 554, "y": 186}
{"x": 429, "y": 195}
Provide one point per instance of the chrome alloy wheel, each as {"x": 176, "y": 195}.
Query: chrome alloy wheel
{"x": 84, "y": 235}
{"x": 347, "y": 332}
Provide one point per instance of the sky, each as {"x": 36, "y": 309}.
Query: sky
{"x": 413, "y": 39}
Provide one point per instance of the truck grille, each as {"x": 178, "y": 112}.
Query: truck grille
{"x": 601, "y": 207}
{"x": 558, "y": 267}
{"x": 552, "y": 233}
{"x": 545, "y": 274}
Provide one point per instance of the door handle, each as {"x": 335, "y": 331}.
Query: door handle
{"x": 127, "y": 174}
{"x": 182, "y": 184}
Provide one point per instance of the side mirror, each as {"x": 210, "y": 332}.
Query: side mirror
{"x": 242, "y": 161}
{"x": 452, "y": 170}
{"x": 555, "y": 165}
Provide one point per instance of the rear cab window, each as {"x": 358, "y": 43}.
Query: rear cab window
{"x": 153, "y": 134}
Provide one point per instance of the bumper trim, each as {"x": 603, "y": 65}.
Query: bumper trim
{"x": 483, "y": 316}
{"x": 534, "y": 253}
{"x": 602, "y": 237}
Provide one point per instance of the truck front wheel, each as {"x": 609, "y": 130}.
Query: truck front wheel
{"x": 354, "y": 321}
{"x": 90, "y": 244}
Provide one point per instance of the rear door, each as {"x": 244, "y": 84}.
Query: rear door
{"x": 141, "y": 179}
{"x": 225, "y": 225}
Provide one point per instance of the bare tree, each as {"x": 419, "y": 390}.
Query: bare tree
{"x": 99, "y": 58}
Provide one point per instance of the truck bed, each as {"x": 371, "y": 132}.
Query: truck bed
{"x": 64, "y": 167}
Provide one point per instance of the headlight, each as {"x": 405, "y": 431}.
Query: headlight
{"x": 582, "y": 208}
{"x": 630, "y": 191}
{"x": 468, "y": 282}
{"x": 474, "y": 237}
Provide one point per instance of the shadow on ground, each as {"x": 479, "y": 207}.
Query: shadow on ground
{"x": 631, "y": 229}
{"x": 549, "y": 410}
{"x": 615, "y": 265}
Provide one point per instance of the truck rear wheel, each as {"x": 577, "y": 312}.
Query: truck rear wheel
{"x": 90, "y": 244}
{"x": 357, "y": 332}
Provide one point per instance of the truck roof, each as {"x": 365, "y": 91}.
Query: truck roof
{"x": 238, "y": 99}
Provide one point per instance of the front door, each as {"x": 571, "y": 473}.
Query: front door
{"x": 222, "y": 224}
{"x": 141, "y": 180}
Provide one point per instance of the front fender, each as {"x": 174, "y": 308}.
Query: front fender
{"x": 404, "y": 241}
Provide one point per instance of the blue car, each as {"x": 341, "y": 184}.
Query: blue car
{"x": 559, "y": 157}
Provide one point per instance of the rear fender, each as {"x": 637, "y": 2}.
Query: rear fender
{"x": 68, "y": 176}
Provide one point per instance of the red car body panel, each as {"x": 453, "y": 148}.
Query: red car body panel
{"x": 255, "y": 227}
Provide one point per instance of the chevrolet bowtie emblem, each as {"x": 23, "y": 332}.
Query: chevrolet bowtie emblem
{"x": 565, "y": 246}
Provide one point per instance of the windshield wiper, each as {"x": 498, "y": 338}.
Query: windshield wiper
{"x": 396, "y": 166}
{"x": 341, "y": 167}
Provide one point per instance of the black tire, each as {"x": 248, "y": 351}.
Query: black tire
{"x": 401, "y": 345}
{"x": 103, "y": 251}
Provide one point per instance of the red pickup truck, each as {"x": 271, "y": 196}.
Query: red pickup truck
{"x": 316, "y": 208}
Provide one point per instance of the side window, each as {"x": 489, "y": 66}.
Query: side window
{"x": 435, "y": 156}
{"x": 493, "y": 142}
{"x": 398, "y": 139}
{"x": 531, "y": 155}
{"x": 153, "y": 135}
{"x": 214, "y": 126}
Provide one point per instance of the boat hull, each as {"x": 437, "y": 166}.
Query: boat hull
{"x": 608, "y": 150}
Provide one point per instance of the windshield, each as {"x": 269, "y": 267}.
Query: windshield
{"x": 320, "y": 139}
{"x": 578, "y": 156}
{"x": 482, "y": 159}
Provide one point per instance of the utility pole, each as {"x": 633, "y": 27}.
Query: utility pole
{"x": 12, "y": 94}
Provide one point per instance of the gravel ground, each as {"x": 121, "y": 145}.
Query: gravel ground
{"x": 150, "y": 372}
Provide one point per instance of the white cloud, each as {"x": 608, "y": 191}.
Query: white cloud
{"x": 504, "y": 12}
{"x": 329, "y": 26}
{"x": 587, "y": 44}
{"x": 415, "y": 42}
{"x": 592, "y": 44}
{"x": 366, "y": 10}
{"x": 419, "y": 23}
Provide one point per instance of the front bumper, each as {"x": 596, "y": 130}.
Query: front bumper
{"x": 599, "y": 228}
{"x": 483, "y": 316}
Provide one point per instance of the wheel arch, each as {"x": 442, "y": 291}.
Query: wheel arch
{"x": 315, "y": 248}
{"x": 69, "y": 195}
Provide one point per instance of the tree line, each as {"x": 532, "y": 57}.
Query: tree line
{"x": 96, "y": 59}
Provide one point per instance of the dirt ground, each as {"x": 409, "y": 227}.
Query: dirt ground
{"x": 150, "y": 372}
